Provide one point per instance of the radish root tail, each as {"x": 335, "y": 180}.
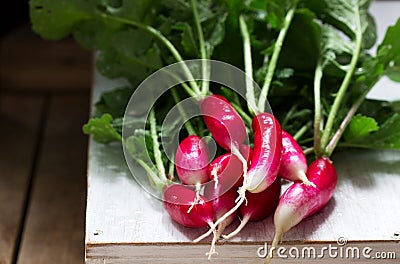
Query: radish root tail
{"x": 242, "y": 195}
{"x": 243, "y": 223}
{"x": 196, "y": 199}
{"x": 217, "y": 234}
{"x": 275, "y": 242}
{"x": 303, "y": 178}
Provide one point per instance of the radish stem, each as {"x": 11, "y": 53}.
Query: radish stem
{"x": 301, "y": 131}
{"x": 335, "y": 139}
{"x": 187, "y": 124}
{"x": 164, "y": 40}
{"x": 251, "y": 101}
{"x": 317, "y": 109}
{"x": 345, "y": 84}
{"x": 204, "y": 65}
{"x": 156, "y": 146}
{"x": 274, "y": 58}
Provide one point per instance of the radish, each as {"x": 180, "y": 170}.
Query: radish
{"x": 265, "y": 161}
{"x": 222, "y": 120}
{"x": 300, "y": 201}
{"x": 227, "y": 169}
{"x": 267, "y": 152}
{"x": 177, "y": 201}
{"x": 221, "y": 201}
{"x": 191, "y": 161}
{"x": 259, "y": 206}
{"x": 294, "y": 163}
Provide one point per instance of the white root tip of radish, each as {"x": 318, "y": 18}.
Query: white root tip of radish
{"x": 242, "y": 195}
{"x": 275, "y": 242}
{"x": 212, "y": 248}
{"x": 308, "y": 183}
{"x": 196, "y": 199}
{"x": 303, "y": 178}
{"x": 238, "y": 229}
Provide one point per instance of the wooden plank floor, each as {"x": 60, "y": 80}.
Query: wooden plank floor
{"x": 44, "y": 101}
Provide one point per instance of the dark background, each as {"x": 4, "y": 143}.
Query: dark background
{"x": 13, "y": 13}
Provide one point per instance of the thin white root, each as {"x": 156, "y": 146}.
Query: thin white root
{"x": 212, "y": 248}
{"x": 196, "y": 199}
{"x": 242, "y": 195}
{"x": 303, "y": 178}
{"x": 243, "y": 223}
{"x": 214, "y": 173}
{"x": 235, "y": 151}
{"x": 275, "y": 242}
{"x": 217, "y": 234}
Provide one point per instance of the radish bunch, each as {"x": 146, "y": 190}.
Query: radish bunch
{"x": 244, "y": 181}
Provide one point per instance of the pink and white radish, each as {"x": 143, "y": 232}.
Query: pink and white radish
{"x": 259, "y": 206}
{"x": 227, "y": 169}
{"x": 300, "y": 200}
{"x": 177, "y": 201}
{"x": 225, "y": 124}
{"x": 294, "y": 163}
{"x": 191, "y": 161}
{"x": 222, "y": 120}
{"x": 265, "y": 161}
{"x": 267, "y": 153}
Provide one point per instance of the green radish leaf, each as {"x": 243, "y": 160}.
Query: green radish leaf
{"x": 386, "y": 137}
{"x": 102, "y": 129}
{"x": 342, "y": 15}
{"x": 360, "y": 126}
{"x": 57, "y": 19}
{"x": 114, "y": 102}
{"x": 188, "y": 42}
{"x": 139, "y": 146}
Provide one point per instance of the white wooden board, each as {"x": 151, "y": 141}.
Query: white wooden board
{"x": 125, "y": 225}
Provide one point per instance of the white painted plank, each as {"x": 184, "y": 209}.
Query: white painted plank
{"x": 365, "y": 206}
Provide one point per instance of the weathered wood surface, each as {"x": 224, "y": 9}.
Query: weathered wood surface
{"x": 44, "y": 100}
{"x": 30, "y": 63}
{"x": 122, "y": 219}
{"x": 55, "y": 217}
{"x": 20, "y": 121}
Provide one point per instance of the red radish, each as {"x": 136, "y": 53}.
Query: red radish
{"x": 294, "y": 163}
{"x": 192, "y": 158}
{"x": 265, "y": 162}
{"x": 178, "y": 199}
{"x": 227, "y": 169}
{"x": 300, "y": 201}
{"x": 259, "y": 206}
{"x": 222, "y": 201}
{"x": 222, "y": 120}
{"x": 267, "y": 152}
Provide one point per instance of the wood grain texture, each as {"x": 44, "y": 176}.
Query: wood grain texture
{"x": 20, "y": 120}
{"x": 55, "y": 219}
{"x": 30, "y": 63}
{"x": 124, "y": 224}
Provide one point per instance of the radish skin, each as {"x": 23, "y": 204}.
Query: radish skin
{"x": 191, "y": 161}
{"x": 265, "y": 163}
{"x": 222, "y": 120}
{"x": 267, "y": 153}
{"x": 177, "y": 199}
{"x": 294, "y": 163}
{"x": 259, "y": 206}
{"x": 300, "y": 201}
{"x": 227, "y": 169}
